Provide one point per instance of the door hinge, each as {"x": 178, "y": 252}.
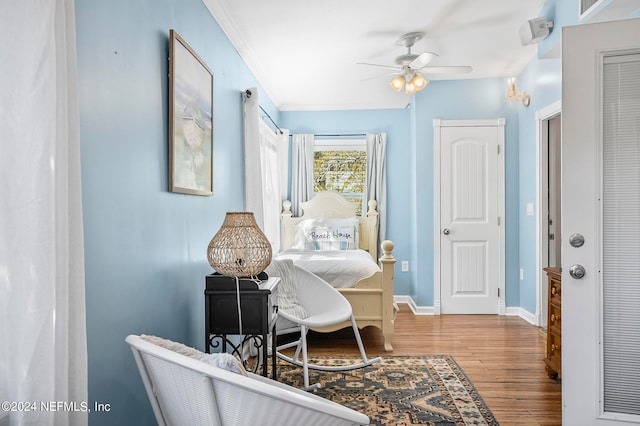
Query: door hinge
{"x": 498, "y": 220}
{"x": 498, "y": 149}
{"x": 498, "y": 292}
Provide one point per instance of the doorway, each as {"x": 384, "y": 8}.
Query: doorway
{"x": 469, "y": 216}
{"x": 549, "y": 225}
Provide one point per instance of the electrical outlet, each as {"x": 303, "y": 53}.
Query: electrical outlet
{"x": 405, "y": 266}
{"x": 521, "y": 274}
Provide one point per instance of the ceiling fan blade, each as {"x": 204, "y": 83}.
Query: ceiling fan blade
{"x": 446, "y": 70}
{"x": 422, "y": 60}
{"x": 379, "y": 76}
{"x": 378, "y": 65}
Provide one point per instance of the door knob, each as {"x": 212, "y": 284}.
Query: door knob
{"x": 446, "y": 231}
{"x": 577, "y": 271}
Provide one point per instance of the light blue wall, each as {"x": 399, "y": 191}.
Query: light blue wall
{"x": 462, "y": 100}
{"x": 542, "y": 80}
{"x": 145, "y": 248}
{"x": 396, "y": 123}
{"x": 565, "y": 13}
{"x": 410, "y": 169}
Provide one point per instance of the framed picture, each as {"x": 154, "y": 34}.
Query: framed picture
{"x": 190, "y": 120}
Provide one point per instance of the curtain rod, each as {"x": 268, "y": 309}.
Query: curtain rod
{"x": 337, "y": 134}
{"x": 270, "y": 119}
{"x": 248, "y": 94}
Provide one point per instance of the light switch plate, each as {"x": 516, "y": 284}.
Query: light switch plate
{"x": 530, "y": 211}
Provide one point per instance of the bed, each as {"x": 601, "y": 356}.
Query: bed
{"x": 330, "y": 241}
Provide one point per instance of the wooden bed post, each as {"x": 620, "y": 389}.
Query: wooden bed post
{"x": 372, "y": 228}
{"x": 387, "y": 262}
{"x": 287, "y": 231}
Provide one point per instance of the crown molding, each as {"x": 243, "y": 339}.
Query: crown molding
{"x": 228, "y": 26}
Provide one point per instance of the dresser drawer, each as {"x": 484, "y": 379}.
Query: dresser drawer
{"x": 553, "y": 359}
{"x": 555, "y": 319}
{"x": 554, "y": 353}
{"x": 555, "y": 292}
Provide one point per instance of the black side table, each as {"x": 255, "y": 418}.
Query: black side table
{"x": 258, "y": 303}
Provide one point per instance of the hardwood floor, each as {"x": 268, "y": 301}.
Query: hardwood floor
{"x": 501, "y": 355}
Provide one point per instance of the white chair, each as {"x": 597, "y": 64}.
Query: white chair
{"x": 185, "y": 391}
{"x": 324, "y": 306}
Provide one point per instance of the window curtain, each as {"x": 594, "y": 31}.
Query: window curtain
{"x": 376, "y": 183}
{"x": 43, "y": 354}
{"x": 265, "y": 166}
{"x": 302, "y": 147}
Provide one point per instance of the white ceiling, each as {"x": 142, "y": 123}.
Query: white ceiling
{"x": 304, "y": 54}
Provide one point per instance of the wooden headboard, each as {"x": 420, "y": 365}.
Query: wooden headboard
{"x": 331, "y": 205}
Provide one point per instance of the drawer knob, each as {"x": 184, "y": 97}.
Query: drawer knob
{"x": 554, "y": 290}
{"x": 553, "y": 318}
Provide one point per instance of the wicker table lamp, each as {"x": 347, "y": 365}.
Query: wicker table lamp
{"x": 239, "y": 248}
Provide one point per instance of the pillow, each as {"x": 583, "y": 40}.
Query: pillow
{"x": 221, "y": 360}
{"x": 287, "y": 291}
{"x": 327, "y": 234}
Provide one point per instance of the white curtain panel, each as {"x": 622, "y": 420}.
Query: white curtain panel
{"x": 283, "y": 159}
{"x": 302, "y": 148}
{"x": 252, "y": 164}
{"x": 376, "y": 183}
{"x": 265, "y": 168}
{"x": 271, "y": 199}
{"x": 43, "y": 355}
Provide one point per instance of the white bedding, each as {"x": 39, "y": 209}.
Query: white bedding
{"x": 340, "y": 268}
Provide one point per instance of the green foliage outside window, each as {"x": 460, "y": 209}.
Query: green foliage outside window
{"x": 343, "y": 172}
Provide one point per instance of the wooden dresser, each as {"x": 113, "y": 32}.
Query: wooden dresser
{"x": 553, "y": 359}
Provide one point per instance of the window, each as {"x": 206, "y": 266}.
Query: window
{"x": 341, "y": 166}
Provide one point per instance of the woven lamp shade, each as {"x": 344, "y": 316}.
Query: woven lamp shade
{"x": 239, "y": 248}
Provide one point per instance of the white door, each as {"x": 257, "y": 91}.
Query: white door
{"x": 468, "y": 238}
{"x": 601, "y": 202}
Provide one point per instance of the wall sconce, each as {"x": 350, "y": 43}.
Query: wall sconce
{"x": 514, "y": 96}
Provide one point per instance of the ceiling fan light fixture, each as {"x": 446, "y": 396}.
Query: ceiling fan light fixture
{"x": 409, "y": 66}
{"x": 410, "y": 88}
{"x": 419, "y": 82}
{"x": 397, "y": 83}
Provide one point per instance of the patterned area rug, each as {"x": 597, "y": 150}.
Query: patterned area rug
{"x": 401, "y": 390}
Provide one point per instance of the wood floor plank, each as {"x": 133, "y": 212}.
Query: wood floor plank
{"x": 501, "y": 355}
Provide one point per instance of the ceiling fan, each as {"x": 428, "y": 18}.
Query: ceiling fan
{"x": 409, "y": 66}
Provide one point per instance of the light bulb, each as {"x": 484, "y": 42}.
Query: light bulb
{"x": 410, "y": 88}
{"x": 397, "y": 83}
{"x": 419, "y": 82}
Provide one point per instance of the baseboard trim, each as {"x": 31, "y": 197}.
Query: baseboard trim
{"x": 524, "y": 314}
{"x": 430, "y": 310}
{"x": 415, "y": 309}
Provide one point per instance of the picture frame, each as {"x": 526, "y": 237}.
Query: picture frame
{"x": 190, "y": 120}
